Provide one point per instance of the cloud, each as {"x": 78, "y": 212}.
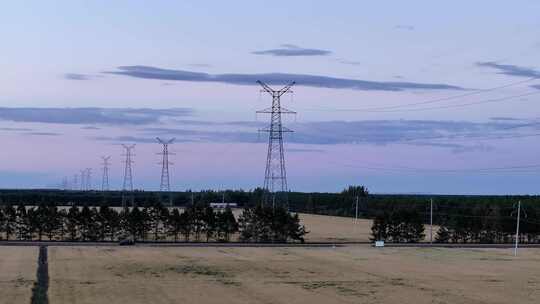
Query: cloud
{"x": 404, "y": 27}
{"x": 505, "y": 118}
{"x": 442, "y": 134}
{"x": 205, "y": 135}
{"x": 90, "y": 128}
{"x": 43, "y": 133}
{"x": 111, "y": 116}
{"x": 148, "y": 72}
{"x": 249, "y": 124}
{"x": 349, "y": 62}
{"x": 132, "y": 139}
{"x": 536, "y": 86}
{"x": 200, "y": 65}
{"x": 15, "y": 129}
{"x": 511, "y": 70}
{"x": 288, "y": 50}
{"x": 75, "y": 76}
{"x": 305, "y": 150}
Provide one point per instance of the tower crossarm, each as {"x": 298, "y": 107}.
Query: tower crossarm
{"x": 286, "y": 89}
{"x": 265, "y": 87}
{"x": 283, "y": 130}
{"x": 282, "y": 110}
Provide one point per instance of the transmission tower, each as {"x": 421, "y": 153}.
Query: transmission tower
{"x": 75, "y": 182}
{"x": 105, "y": 177}
{"x": 165, "y": 181}
{"x": 83, "y": 180}
{"x": 65, "y": 183}
{"x": 88, "y": 179}
{"x": 128, "y": 174}
{"x": 275, "y": 176}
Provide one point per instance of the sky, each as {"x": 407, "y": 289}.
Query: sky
{"x": 402, "y": 97}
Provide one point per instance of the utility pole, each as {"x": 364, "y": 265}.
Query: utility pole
{"x": 105, "y": 177}
{"x": 431, "y": 221}
{"x": 128, "y": 175}
{"x": 517, "y": 228}
{"x": 356, "y": 218}
{"x": 275, "y": 177}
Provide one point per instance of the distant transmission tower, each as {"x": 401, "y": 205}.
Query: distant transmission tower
{"x": 105, "y": 178}
{"x": 75, "y": 182}
{"x": 65, "y": 183}
{"x": 88, "y": 179}
{"x": 165, "y": 181}
{"x": 83, "y": 180}
{"x": 275, "y": 177}
{"x": 128, "y": 174}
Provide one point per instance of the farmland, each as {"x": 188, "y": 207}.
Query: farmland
{"x": 356, "y": 274}
{"x": 342, "y": 274}
{"x": 17, "y": 273}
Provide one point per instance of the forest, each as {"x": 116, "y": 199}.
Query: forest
{"x": 155, "y": 222}
{"x": 396, "y": 218}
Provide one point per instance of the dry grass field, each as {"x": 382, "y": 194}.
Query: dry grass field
{"x": 324, "y": 228}
{"x": 18, "y": 267}
{"x": 354, "y": 274}
{"x": 206, "y": 275}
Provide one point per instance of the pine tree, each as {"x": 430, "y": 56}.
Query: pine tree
{"x": 24, "y": 230}
{"x": 10, "y": 221}
{"x": 226, "y": 225}
{"x": 443, "y": 235}
{"x": 379, "y": 228}
{"x": 186, "y": 224}
{"x": 174, "y": 224}
{"x": 210, "y": 225}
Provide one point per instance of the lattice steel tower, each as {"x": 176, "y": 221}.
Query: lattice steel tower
{"x": 83, "y": 180}
{"x": 105, "y": 177}
{"x": 275, "y": 176}
{"x": 165, "y": 181}
{"x": 75, "y": 182}
{"x": 128, "y": 174}
{"x": 88, "y": 179}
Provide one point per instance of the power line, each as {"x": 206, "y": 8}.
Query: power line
{"x": 456, "y": 96}
{"x": 507, "y": 169}
{"x": 437, "y": 100}
{"x": 470, "y": 136}
{"x": 494, "y": 100}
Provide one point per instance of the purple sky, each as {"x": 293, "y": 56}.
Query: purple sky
{"x": 400, "y": 98}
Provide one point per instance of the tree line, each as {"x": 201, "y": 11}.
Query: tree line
{"x": 461, "y": 218}
{"x": 489, "y": 223}
{"x": 483, "y": 222}
{"x": 150, "y": 223}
